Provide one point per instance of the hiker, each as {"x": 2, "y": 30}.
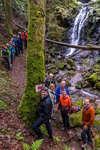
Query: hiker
{"x": 21, "y": 40}
{"x": 88, "y": 115}
{"x": 65, "y": 107}
{"x": 25, "y": 38}
{"x": 15, "y": 43}
{"x": 45, "y": 109}
{"x": 6, "y": 54}
{"x": 60, "y": 89}
{"x": 50, "y": 79}
{"x": 18, "y": 45}
{"x": 12, "y": 51}
{"x": 53, "y": 97}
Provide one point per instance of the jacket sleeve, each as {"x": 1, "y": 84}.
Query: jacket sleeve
{"x": 57, "y": 92}
{"x": 67, "y": 91}
{"x": 92, "y": 115}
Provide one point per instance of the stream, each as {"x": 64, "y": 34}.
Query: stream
{"x": 76, "y": 38}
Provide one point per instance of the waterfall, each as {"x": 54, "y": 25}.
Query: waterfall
{"x": 77, "y": 28}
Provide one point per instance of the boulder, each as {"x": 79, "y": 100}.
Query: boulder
{"x": 93, "y": 78}
{"x": 86, "y": 84}
{"x": 68, "y": 83}
{"x": 78, "y": 84}
{"x": 97, "y": 85}
{"x": 97, "y": 110}
{"x": 54, "y": 71}
{"x": 97, "y": 142}
{"x": 71, "y": 62}
{"x": 78, "y": 103}
{"x": 75, "y": 118}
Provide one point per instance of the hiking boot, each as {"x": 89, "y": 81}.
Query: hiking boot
{"x": 63, "y": 129}
{"x": 83, "y": 145}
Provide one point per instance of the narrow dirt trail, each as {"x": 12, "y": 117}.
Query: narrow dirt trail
{"x": 18, "y": 73}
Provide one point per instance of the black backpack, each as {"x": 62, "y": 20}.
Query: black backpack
{"x": 5, "y": 52}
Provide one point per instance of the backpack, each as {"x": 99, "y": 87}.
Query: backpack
{"x": 5, "y": 52}
{"x": 75, "y": 109}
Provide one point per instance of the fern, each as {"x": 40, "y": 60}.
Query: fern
{"x": 57, "y": 139}
{"x": 44, "y": 130}
{"x": 36, "y": 144}
{"x": 66, "y": 148}
{"x": 18, "y": 134}
{"x": 25, "y": 146}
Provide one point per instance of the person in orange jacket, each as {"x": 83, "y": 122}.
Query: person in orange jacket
{"x": 88, "y": 115}
{"x": 25, "y": 38}
{"x": 65, "y": 107}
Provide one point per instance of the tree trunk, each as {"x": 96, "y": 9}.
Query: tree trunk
{"x": 28, "y": 107}
{"x": 8, "y": 16}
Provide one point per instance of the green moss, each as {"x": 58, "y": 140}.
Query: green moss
{"x": 79, "y": 103}
{"x": 71, "y": 62}
{"x": 3, "y": 81}
{"x": 3, "y": 105}
{"x": 78, "y": 84}
{"x": 93, "y": 78}
{"x": 60, "y": 65}
{"x": 54, "y": 71}
{"x": 97, "y": 85}
{"x": 97, "y": 110}
{"x": 69, "y": 73}
{"x": 2, "y": 72}
{"x": 97, "y": 142}
{"x": 75, "y": 118}
{"x": 68, "y": 83}
{"x": 96, "y": 122}
{"x": 28, "y": 107}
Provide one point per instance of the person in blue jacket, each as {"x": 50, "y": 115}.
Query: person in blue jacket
{"x": 60, "y": 89}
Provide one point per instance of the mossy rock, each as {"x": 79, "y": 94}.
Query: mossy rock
{"x": 75, "y": 118}
{"x": 71, "y": 62}
{"x": 97, "y": 66}
{"x": 68, "y": 83}
{"x": 3, "y": 105}
{"x": 97, "y": 110}
{"x": 69, "y": 73}
{"x": 85, "y": 77}
{"x": 97, "y": 142}
{"x": 95, "y": 70}
{"x": 78, "y": 103}
{"x": 54, "y": 71}
{"x": 93, "y": 78}
{"x": 97, "y": 85}
{"x": 60, "y": 65}
{"x": 78, "y": 84}
{"x": 96, "y": 122}
{"x": 86, "y": 84}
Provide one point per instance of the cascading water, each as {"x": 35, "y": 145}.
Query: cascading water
{"x": 77, "y": 28}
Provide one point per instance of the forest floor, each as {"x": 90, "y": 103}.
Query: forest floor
{"x": 13, "y": 131}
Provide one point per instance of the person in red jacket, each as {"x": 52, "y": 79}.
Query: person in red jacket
{"x": 88, "y": 115}
{"x": 65, "y": 108}
{"x": 25, "y": 38}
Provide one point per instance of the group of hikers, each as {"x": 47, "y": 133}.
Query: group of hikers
{"x": 14, "y": 48}
{"x": 61, "y": 97}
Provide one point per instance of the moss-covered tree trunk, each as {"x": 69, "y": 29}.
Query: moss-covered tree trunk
{"x": 8, "y": 16}
{"x": 28, "y": 107}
